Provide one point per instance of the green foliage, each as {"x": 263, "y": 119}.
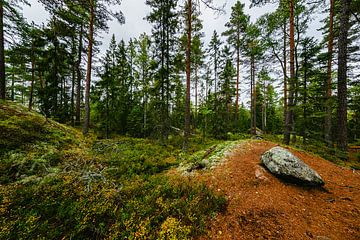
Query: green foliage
{"x": 57, "y": 185}
{"x": 30, "y": 144}
{"x": 61, "y": 207}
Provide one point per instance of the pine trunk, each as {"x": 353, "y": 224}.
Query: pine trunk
{"x": 328, "y": 105}
{"x": 88, "y": 71}
{"x": 305, "y": 97}
{"x": 32, "y": 76}
{"x": 285, "y": 77}
{"x": 342, "y": 75}
{"x": 188, "y": 69}
{"x": 237, "y": 81}
{"x": 78, "y": 78}
{"x": 289, "y": 116}
{"x": 254, "y": 94}
{"x": 2, "y": 54}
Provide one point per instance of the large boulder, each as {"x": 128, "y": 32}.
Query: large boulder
{"x": 283, "y": 163}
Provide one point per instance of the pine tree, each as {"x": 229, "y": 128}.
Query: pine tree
{"x": 213, "y": 50}
{"x": 10, "y": 16}
{"x": 342, "y": 74}
{"x": 165, "y": 24}
{"x": 235, "y": 28}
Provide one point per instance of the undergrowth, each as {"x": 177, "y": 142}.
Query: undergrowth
{"x": 55, "y": 184}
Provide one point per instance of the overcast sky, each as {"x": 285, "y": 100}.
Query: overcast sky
{"x": 136, "y": 10}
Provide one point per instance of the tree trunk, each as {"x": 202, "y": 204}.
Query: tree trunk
{"x": 88, "y": 71}
{"x": 342, "y": 75}
{"x": 328, "y": 105}
{"x": 196, "y": 96}
{"x": 237, "y": 81}
{"x": 305, "y": 96}
{"x": 290, "y": 110}
{"x": 2, "y": 54}
{"x": 72, "y": 104}
{"x": 251, "y": 98}
{"x": 285, "y": 77}
{"x": 32, "y": 76}
{"x": 254, "y": 95}
{"x": 188, "y": 69}
{"x": 13, "y": 84}
{"x": 78, "y": 78}
{"x": 263, "y": 111}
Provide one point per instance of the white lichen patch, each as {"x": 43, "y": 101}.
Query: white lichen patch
{"x": 209, "y": 159}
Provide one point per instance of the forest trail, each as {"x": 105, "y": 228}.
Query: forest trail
{"x": 260, "y": 206}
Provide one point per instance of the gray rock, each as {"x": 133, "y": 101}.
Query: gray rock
{"x": 283, "y": 163}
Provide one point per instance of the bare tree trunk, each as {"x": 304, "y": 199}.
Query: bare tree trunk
{"x": 237, "y": 81}
{"x": 285, "y": 77}
{"x": 263, "y": 111}
{"x": 32, "y": 76}
{"x": 13, "y": 84}
{"x": 72, "y": 104}
{"x": 2, "y": 54}
{"x": 78, "y": 78}
{"x": 88, "y": 71}
{"x": 305, "y": 96}
{"x": 196, "y": 96}
{"x": 254, "y": 94}
{"x": 289, "y": 115}
{"x": 251, "y": 98}
{"x": 188, "y": 69}
{"x": 328, "y": 105}
{"x": 342, "y": 75}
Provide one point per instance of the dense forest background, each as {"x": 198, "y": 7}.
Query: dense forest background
{"x": 170, "y": 83}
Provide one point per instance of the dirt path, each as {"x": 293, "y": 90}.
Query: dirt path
{"x": 263, "y": 207}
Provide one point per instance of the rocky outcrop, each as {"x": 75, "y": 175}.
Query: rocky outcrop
{"x": 283, "y": 163}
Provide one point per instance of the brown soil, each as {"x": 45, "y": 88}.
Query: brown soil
{"x": 260, "y": 206}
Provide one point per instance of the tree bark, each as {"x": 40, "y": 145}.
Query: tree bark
{"x": 289, "y": 113}
{"x": 285, "y": 71}
{"x": 327, "y": 125}
{"x": 237, "y": 81}
{"x": 342, "y": 75}
{"x": 78, "y": 78}
{"x": 254, "y": 95}
{"x": 2, "y": 53}
{"x": 305, "y": 96}
{"x": 88, "y": 71}
{"x": 32, "y": 76}
{"x": 13, "y": 84}
{"x": 188, "y": 69}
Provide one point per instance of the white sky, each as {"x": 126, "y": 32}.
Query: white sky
{"x": 136, "y": 10}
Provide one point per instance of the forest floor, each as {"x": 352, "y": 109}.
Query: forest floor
{"x": 260, "y": 206}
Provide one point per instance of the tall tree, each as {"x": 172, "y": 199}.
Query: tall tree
{"x": 164, "y": 18}
{"x": 2, "y": 53}
{"x": 342, "y": 74}
{"x": 98, "y": 13}
{"x": 10, "y": 16}
{"x": 235, "y": 27}
{"x": 188, "y": 72}
{"x": 89, "y": 67}
{"x": 214, "y": 52}
{"x": 328, "y": 104}
{"x": 253, "y": 51}
{"x": 290, "y": 111}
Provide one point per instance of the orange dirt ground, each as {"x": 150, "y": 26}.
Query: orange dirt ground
{"x": 260, "y": 206}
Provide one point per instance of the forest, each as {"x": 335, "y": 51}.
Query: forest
{"x": 92, "y": 141}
